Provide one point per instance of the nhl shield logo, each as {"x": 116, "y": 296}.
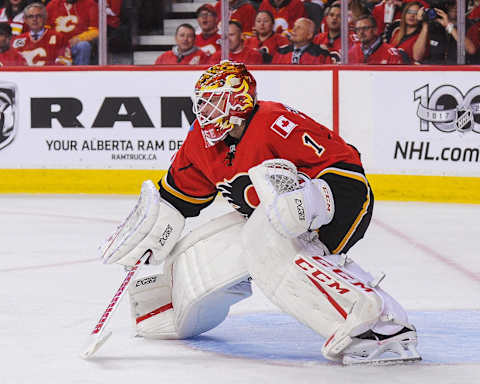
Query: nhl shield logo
{"x": 8, "y": 113}
{"x": 464, "y": 119}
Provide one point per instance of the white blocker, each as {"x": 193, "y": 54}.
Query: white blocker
{"x": 204, "y": 275}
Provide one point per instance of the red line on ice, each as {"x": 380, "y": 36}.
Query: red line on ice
{"x": 429, "y": 251}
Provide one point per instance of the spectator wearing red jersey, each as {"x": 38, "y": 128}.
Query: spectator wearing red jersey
{"x": 437, "y": 42}
{"x": 285, "y": 12}
{"x": 302, "y": 50}
{"x": 389, "y": 11}
{"x": 113, "y": 13}
{"x": 77, "y": 20}
{"x": 265, "y": 40}
{"x": 241, "y": 11}
{"x": 8, "y": 55}
{"x": 12, "y": 13}
{"x": 41, "y": 45}
{"x": 474, "y": 35}
{"x": 405, "y": 36}
{"x": 331, "y": 40}
{"x": 386, "y": 13}
{"x": 475, "y": 11}
{"x": 238, "y": 51}
{"x": 371, "y": 49}
{"x": 185, "y": 52}
{"x": 208, "y": 40}
{"x": 356, "y": 8}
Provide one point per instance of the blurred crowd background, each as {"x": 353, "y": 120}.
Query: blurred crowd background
{"x": 146, "y": 32}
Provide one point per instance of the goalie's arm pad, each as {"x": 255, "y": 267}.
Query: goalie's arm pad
{"x": 188, "y": 205}
{"x": 152, "y": 224}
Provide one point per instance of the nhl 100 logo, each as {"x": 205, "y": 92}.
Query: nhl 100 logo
{"x": 448, "y": 109}
{"x": 8, "y": 113}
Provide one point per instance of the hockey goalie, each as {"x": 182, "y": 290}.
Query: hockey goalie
{"x": 302, "y": 201}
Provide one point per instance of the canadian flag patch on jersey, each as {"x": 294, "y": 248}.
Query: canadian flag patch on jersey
{"x": 283, "y": 126}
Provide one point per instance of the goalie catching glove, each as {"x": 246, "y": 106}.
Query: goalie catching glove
{"x": 291, "y": 208}
{"x": 153, "y": 224}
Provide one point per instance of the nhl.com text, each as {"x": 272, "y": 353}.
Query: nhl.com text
{"x": 426, "y": 151}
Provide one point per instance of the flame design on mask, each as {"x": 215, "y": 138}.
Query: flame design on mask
{"x": 238, "y": 89}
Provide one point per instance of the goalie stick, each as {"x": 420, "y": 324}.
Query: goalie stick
{"x": 98, "y": 337}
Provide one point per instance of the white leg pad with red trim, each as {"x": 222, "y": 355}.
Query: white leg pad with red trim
{"x": 201, "y": 281}
{"x": 151, "y": 306}
{"x": 314, "y": 288}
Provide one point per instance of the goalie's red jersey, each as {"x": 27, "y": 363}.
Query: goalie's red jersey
{"x": 197, "y": 173}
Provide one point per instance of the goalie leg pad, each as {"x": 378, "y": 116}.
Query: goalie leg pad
{"x": 304, "y": 283}
{"x": 201, "y": 282}
{"x": 151, "y": 307}
{"x": 208, "y": 278}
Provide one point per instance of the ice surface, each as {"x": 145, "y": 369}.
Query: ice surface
{"x": 53, "y": 289}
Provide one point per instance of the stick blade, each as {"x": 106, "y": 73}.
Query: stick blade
{"x": 94, "y": 343}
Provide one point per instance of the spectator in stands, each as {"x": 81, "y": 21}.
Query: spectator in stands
{"x": 473, "y": 34}
{"x": 437, "y": 41}
{"x": 371, "y": 49}
{"x": 185, "y": 52}
{"x": 119, "y": 34}
{"x": 12, "y": 13}
{"x": 41, "y": 45}
{"x": 356, "y": 8}
{"x": 208, "y": 40}
{"x": 386, "y": 16}
{"x": 331, "y": 40}
{"x": 302, "y": 50}
{"x": 370, "y": 4}
{"x": 241, "y": 11}
{"x": 77, "y": 20}
{"x": 285, "y": 12}
{"x": 405, "y": 36}
{"x": 386, "y": 13}
{"x": 265, "y": 40}
{"x": 8, "y": 55}
{"x": 113, "y": 13}
{"x": 238, "y": 51}
{"x": 474, "y": 11}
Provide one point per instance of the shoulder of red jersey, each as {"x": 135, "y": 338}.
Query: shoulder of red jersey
{"x": 195, "y": 133}
{"x": 52, "y": 4}
{"x": 280, "y": 120}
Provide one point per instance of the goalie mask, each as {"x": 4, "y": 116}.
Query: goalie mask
{"x": 224, "y": 96}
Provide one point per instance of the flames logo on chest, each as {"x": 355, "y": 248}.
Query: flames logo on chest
{"x": 240, "y": 193}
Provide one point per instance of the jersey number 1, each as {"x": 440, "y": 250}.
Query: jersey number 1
{"x": 309, "y": 142}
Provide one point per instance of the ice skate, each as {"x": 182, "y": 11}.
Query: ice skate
{"x": 373, "y": 348}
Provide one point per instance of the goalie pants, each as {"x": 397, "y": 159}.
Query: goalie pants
{"x": 353, "y": 207}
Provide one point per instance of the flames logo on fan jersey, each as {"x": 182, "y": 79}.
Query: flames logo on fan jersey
{"x": 240, "y": 193}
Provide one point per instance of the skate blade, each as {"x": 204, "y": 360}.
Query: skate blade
{"x": 350, "y": 360}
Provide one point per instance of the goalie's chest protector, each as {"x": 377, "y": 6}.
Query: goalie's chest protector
{"x": 275, "y": 131}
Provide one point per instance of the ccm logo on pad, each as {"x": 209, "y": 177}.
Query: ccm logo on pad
{"x": 283, "y": 126}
